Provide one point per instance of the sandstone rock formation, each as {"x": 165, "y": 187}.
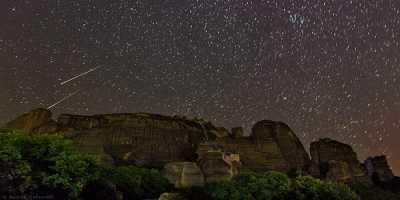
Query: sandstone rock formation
{"x": 271, "y": 146}
{"x": 330, "y": 157}
{"x": 183, "y": 174}
{"x": 142, "y": 139}
{"x": 30, "y": 121}
{"x": 378, "y": 169}
{"x": 153, "y": 140}
{"x": 338, "y": 171}
{"x": 216, "y": 167}
{"x": 292, "y": 150}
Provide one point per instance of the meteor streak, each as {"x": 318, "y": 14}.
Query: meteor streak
{"x": 63, "y": 99}
{"x": 77, "y": 76}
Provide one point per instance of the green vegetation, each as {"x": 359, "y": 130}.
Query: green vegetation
{"x": 137, "y": 183}
{"x": 48, "y": 164}
{"x": 44, "y": 162}
{"x": 278, "y": 186}
{"x": 309, "y": 188}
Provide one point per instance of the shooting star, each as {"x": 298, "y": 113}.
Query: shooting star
{"x": 77, "y": 76}
{"x": 63, "y": 99}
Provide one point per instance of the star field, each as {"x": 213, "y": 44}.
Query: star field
{"x": 327, "y": 68}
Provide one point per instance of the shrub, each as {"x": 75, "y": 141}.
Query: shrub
{"x": 309, "y": 188}
{"x": 47, "y": 162}
{"x": 137, "y": 183}
{"x": 277, "y": 186}
{"x": 264, "y": 186}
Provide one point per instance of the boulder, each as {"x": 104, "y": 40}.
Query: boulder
{"x": 30, "y": 121}
{"x": 325, "y": 151}
{"x": 171, "y": 196}
{"x": 183, "y": 174}
{"x": 217, "y": 166}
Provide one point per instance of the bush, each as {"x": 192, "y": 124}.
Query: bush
{"x": 309, "y": 188}
{"x": 277, "y": 186}
{"x": 43, "y": 162}
{"x": 264, "y": 186}
{"x": 137, "y": 183}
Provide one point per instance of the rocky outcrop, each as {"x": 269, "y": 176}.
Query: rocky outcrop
{"x": 337, "y": 161}
{"x": 271, "y": 146}
{"x": 289, "y": 145}
{"x": 216, "y": 166}
{"x": 183, "y": 174}
{"x": 338, "y": 171}
{"x": 141, "y": 139}
{"x": 30, "y": 121}
{"x": 381, "y": 174}
{"x": 152, "y": 140}
{"x": 378, "y": 169}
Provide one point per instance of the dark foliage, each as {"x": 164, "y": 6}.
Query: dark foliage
{"x": 137, "y": 183}
{"x": 278, "y": 186}
{"x": 42, "y": 165}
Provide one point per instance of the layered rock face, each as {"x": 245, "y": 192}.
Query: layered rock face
{"x": 183, "y": 174}
{"x": 216, "y": 168}
{"x": 271, "y": 146}
{"x": 194, "y": 152}
{"x": 153, "y": 140}
{"x": 30, "y": 121}
{"x": 289, "y": 145}
{"x": 140, "y": 139}
{"x": 336, "y": 161}
{"x": 338, "y": 171}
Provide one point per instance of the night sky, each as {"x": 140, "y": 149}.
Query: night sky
{"x": 327, "y": 68}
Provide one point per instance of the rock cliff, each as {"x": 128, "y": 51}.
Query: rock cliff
{"x": 140, "y": 139}
{"x": 194, "y": 152}
{"x": 183, "y": 174}
{"x": 378, "y": 168}
{"x": 271, "y": 146}
{"x": 31, "y": 121}
{"x": 154, "y": 140}
{"x": 336, "y": 161}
